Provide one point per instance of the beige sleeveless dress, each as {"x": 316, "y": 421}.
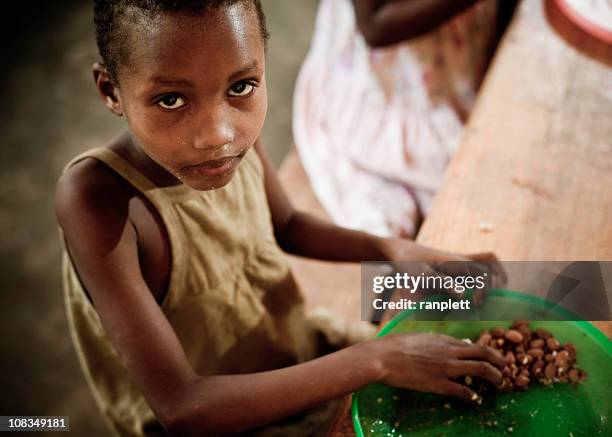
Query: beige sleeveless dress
{"x": 232, "y": 299}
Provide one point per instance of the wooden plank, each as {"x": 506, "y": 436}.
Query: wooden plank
{"x": 532, "y": 179}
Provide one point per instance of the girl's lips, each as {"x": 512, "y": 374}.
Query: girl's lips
{"x": 214, "y": 167}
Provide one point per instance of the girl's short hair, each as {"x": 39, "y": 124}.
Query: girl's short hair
{"x": 110, "y": 34}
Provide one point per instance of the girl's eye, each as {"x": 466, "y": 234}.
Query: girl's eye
{"x": 241, "y": 89}
{"x": 171, "y": 101}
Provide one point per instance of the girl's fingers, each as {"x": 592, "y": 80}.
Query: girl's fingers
{"x": 457, "y": 390}
{"x": 493, "y": 264}
{"x": 482, "y": 353}
{"x": 499, "y": 272}
{"x": 455, "y": 341}
{"x": 482, "y": 369}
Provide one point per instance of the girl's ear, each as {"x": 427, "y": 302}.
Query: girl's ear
{"x": 106, "y": 89}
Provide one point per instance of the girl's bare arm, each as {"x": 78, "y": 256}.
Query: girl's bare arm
{"x": 303, "y": 234}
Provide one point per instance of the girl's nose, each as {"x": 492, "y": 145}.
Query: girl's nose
{"x": 213, "y": 132}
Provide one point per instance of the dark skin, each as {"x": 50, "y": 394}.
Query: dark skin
{"x": 386, "y": 22}
{"x": 121, "y": 249}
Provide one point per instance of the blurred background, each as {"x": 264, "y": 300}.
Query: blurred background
{"x": 559, "y": 125}
{"x": 51, "y": 113}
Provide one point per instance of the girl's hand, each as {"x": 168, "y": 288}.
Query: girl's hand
{"x": 401, "y": 249}
{"x": 430, "y": 363}
{"x": 474, "y": 264}
{"x": 421, "y": 259}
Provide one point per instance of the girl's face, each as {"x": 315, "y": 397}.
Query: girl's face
{"x": 193, "y": 91}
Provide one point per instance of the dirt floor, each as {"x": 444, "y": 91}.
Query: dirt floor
{"x": 50, "y": 113}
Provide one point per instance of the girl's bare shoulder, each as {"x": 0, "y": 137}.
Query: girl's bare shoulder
{"x": 92, "y": 207}
{"x": 91, "y": 186}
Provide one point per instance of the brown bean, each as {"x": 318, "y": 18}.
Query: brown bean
{"x": 552, "y": 344}
{"x": 514, "y": 336}
{"x": 571, "y": 349}
{"x": 506, "y": 371}
{"x": 549, "y": 357}
{"x": 561, "y": 359}
{"x": 550, "y": 370}
{"x": 573, "y": 375}
{"x": 510, "y": 358}
{"x": 538, "y": 367}
{"x": 513, "y": 370}
{"x": 498, "y": 332}
{"x": 537, "y": 343}
{"x": 522, "y": 381}
{"x": 524, "y": 359}
{"x": 543, "y": 333}
{"x": 518, "y": 323}
{"x": 525, "y": 332}
{"x": 536, "y": 353}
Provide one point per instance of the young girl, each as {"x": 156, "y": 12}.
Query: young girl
{"x": 183, "y": 311}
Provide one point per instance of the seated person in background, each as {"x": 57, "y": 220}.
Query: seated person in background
{"x": 381, "y": 101}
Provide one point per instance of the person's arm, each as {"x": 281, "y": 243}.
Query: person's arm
{"x": 93, "y": 214}
{"x": 383, "y": 23}
{"x": 303, "y": 234}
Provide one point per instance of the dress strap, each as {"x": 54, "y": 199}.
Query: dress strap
{"x": 118, "y": 164}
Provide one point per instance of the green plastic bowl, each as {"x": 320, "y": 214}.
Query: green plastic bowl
{"x": 560, "y": 410}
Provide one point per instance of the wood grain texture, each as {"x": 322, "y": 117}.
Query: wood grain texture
{"x": 532, "y": 179}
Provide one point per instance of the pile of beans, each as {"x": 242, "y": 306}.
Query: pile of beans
{"x": 532, "y": 355}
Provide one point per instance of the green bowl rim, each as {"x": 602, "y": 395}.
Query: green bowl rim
{"x": 595, "y": 333}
